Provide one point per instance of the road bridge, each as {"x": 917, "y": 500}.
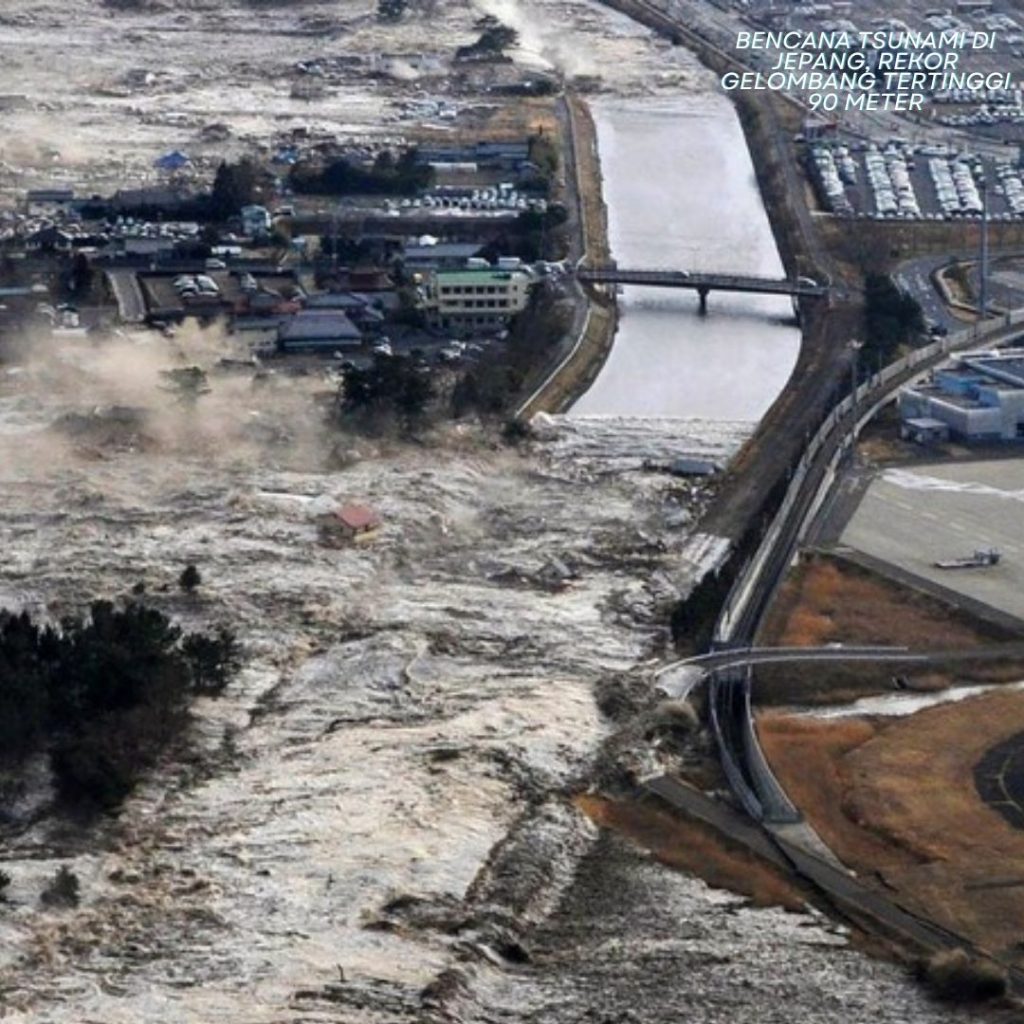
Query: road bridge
{"x": 704, "y": 282}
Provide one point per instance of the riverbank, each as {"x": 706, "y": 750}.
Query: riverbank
{"x": 584, "y": 351}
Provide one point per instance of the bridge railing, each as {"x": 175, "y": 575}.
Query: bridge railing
{"x": 733, "y": 773}
{"x": 614, "y": 274}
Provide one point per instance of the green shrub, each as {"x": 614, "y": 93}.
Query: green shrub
{"x": 957, "y": 977}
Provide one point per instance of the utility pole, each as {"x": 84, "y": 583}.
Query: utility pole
{"x": 855, "y": 347}
{"x": 335, "y": 217}
{"x": 983, "y": 296}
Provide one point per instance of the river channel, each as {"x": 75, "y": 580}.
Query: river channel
{"x": 681, "y": 194}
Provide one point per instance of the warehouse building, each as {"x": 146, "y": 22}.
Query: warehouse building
{"x": 979, "y": 398}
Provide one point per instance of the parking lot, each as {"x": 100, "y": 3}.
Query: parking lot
{"x": 897, "y": 180}
{"x": 912, "y": 517}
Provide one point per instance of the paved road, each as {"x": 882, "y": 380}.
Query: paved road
{"x": 131, "y": 306}
{"x": 578, "y": 233}
{"x": 746, "y": 656}
{"x": 915, "y": 278}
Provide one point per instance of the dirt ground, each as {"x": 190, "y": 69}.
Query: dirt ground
{"x": 826, "y": 600}
{"x": 896, "y": 800}
{"x": 693, "y": 847}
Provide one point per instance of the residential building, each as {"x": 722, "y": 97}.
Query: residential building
{"x": 508, "y": 156}
{"x": 48, "y": 202}
{"x": 360, "y": 309}
{"x": 50, "y": 238}
{"x": 351, "y": 522}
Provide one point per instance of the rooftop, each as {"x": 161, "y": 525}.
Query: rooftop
{"x": 1006, "y": 368}
{"x": 926, "y": 423}
{"x": 357, "y": 517}
{"x": 481, "y": 276}
{"x": 319, "y": 325}
{"x": 442, "y": 250}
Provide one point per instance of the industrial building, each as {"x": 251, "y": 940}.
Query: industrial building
{"x": 978, "y": 398}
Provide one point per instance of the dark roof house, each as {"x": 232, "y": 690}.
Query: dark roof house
{"x": 318, "y": 331}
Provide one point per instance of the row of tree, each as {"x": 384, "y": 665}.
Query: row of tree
{"x": 389, "y": 175}
{"x": 103, "y": 694}
{"x": 892, "y": 318}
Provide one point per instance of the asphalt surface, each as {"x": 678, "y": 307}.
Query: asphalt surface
{"x": 999, "y": 778}
{"x": 915, "y": 278}
{"x": 745, "y": 657}
{"x": 913, "y": 517}
{"x": 131, "y": 305}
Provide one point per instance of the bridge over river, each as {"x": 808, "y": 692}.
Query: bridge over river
{"x": 703, "y": 282}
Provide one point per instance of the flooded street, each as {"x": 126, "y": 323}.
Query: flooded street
{"x": 696, "y": 206}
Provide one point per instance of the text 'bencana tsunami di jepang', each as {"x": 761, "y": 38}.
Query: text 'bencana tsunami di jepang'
{"x": 873, "y": 70}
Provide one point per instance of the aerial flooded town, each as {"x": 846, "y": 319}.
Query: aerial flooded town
{"x": 503, "y": 523}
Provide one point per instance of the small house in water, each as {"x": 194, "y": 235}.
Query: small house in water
{"x": 351, "y": 523}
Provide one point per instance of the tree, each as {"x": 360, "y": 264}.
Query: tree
{"x": 233, "y": 188}
{"x": 494, "y": 39}
{"x": 391, "y": 386}
{"x": 189, "y": 579}
{"x": 62, "y": 890}
{"x": 212, "y": 660}
{"x": 104, "y": 694}
{"x": 391, "y": 10}
{"x": 891, "y": 318}
{"x": 81, "y": 275}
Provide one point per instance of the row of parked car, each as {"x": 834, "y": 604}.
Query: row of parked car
{"x": 956, "y": 179}
{"x": 889, "y": 177}
{"x": 195, "y": 284}
{"x": 955, "y": 187}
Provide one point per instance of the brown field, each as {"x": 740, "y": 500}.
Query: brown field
{"x": 525, "y": 115}
{"x": 696, "y": 848}
{"x": 896, "y": 801}
{"x": 825, "y": 600}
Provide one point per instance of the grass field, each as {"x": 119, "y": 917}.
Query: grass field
{"x": 896, "y": 800}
